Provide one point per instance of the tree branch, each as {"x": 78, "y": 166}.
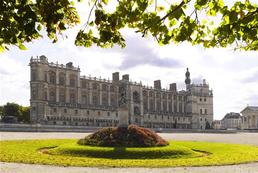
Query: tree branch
{"x": 94, "y": 5}
{"x": 164, "y": 17}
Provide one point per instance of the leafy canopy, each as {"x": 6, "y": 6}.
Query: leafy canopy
{"x": 210, "y": 23}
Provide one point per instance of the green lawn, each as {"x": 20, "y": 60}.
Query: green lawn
{"x": 66, "y": 152}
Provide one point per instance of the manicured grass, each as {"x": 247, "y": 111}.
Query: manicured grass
{"x": 67, "y": 152}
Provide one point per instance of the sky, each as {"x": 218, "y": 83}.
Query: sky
{"x": 232, "y": 75}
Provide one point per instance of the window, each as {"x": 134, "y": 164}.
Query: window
{"x": 83, "y": 84}
{"x": 104, "y": 87}
{"x": 52, "y": 96}
{"x": 52, "y": 77}
{"x": 204, "y": 99}
{"x": 76, "y": 111}
{"x": 98, "y": 112}
{"x": 88, "y": 112}
{"x": 72, "y": 82}
{"x": 116, "y": 114}
{"x": 62, "y": 96}
{"x": 205, "y": 111}
{"x": 72, "y": 97}
{"x": 54, "y": 110}
{"x": 200, "y": 99}
{"x": 200, "y": 111}
{"x": 108, "y": 113}
{"x": 84, "y": 99}
{"x": 65, "y": 110}
{"x": 95, "y": 86}
{"x": 45, "y": 76}
{"x": 33, "y": 75}
{"x": 61, "y": 79}
{"x": 137, "y": 111}
{"x": 136, "y": 97}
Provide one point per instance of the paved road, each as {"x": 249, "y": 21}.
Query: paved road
{"x": 241, "y": 138}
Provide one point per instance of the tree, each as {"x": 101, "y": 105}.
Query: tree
{"x": 25, "y": 114}
{"x": 13, "y": 109}
{"x": 22, "y": 20}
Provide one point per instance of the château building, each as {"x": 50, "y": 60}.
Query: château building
{"x": 61, "y": 96}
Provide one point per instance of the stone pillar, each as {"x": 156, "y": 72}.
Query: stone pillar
{"x": 123, "y": 116}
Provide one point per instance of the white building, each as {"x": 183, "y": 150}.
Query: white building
{"x": 231, "y": 121}
{"x": 60, "y": 95}
{"x": 250, "y": 117}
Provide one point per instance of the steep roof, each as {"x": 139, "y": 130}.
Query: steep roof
{"x": 232, "y": 115}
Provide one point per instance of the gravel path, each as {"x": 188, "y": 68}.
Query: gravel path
{"x": 241, "y": 138}
{"x": 28, "y": 168}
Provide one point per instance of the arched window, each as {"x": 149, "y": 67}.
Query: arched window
{"x": 164, "y": 106}
{"x": 145, "y": 93}
{"x": 83, "y": 84}
{"x": 136, "y": 97}
{"x": 33, "y": 75}
{"x": 72, "y": 82}
{"x": 104, "y": 87}
{"x": 33, "y": 93}
{"x": 95, "y": 100}
{"x": 112, "y": 88}
{"x": 61, "y": 79}
{"x": 52, "y": 96}
{"x": 137, "y": 111}
{"x": 104, "y": 99}
{"x": 180, "y": 108}
{"x": 62, "y": 96}
{"x": 45, "y": 94}
{"x": 95, "y": 86}
{"x": 113, "y": 100}
{"x": 151, "y": 105}
{"x": 72, "y": 97}
{"x": 84, "y": 99}
{"x": 52, "y": 77}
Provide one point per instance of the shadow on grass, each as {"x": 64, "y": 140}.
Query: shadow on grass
{"x": 126, "y": 153}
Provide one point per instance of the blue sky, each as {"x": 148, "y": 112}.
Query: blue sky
{"x": 233, "y": 75}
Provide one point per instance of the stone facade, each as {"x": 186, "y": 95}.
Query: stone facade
{"x": 59, "y": 95}
{"x": 250, "y": 117}
{"x": 231, "y": 120}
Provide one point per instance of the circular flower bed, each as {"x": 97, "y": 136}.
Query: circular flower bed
{"x": 131, "y": 136}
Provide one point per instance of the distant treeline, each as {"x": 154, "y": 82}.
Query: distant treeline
{"x": 22, "y": 113}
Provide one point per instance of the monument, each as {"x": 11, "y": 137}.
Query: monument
{"x": 123, "y": 111}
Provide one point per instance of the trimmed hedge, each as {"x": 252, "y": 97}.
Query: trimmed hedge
{"x": 131, "y": 136}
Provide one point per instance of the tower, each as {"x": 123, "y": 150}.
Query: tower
{"x": 187, "y": 79}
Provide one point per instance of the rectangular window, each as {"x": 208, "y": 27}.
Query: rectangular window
{"x": 88, "y": 112}
{"x": 76, "y": 111}
{"x": 65, "y": 110}
{"x": 205, "y": 111}
{"x": 200, "y": 111}
{"x": 54, "y": 109}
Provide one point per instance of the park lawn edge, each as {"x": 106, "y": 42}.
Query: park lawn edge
{"x": 27, "y": 151}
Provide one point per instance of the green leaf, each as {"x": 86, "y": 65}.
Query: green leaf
{"x": 21, "y": 46}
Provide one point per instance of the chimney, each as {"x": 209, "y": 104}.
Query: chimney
{"x": 157, "y": 84}
{"x": 69, "y": 65}
{"x": 115, "y": 76}
{"x": 125, "y": 77}
{"x": 172, "y": 87}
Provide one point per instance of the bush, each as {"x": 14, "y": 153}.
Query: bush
{"x": 131, "y": 136}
